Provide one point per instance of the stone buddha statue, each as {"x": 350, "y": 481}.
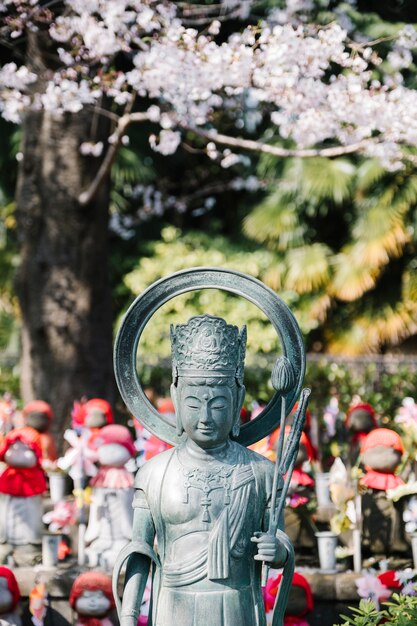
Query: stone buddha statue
{"x": 205, "y": 503}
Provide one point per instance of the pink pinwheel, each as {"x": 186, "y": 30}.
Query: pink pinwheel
{"x": 62, "y": 517}
{"x": 79, "y": 460}
{"x": 369, "y": 586}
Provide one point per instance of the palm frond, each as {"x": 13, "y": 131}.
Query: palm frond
{"x": 409, "y": 283}
{"x": 395, "y": 324}
{"x": 308, "y": 268}
{"x": 377, "y": 249}
{"x": 380, "y": 232}
{"x": 367, "y": 174}
{"x": 311, "y": 310}
{"x": 350, "y": 341}
{"x": 321, "y": 179}
{"x": 319, "y": 306}
{"x": 275, "y": 222}
{"x": 368, "y": 332}
{"x": 274, "y": 276}
{"x": 352, "y": 278}
{"x": 130, "y": 169}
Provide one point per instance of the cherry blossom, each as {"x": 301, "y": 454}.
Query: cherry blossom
{"x": 314, "y": 83}
{"x": 167, "y": 142}
{"x": 88, "y": 147}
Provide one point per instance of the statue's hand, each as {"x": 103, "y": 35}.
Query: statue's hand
{"x": 128, "y": 620}
{"x": 270, "y": 549}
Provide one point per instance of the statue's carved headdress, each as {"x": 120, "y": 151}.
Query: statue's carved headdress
{"x": 208, "y": 345}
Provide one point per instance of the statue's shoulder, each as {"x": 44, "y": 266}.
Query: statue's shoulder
{"x": 153, "y": 470}
{"x": 262, "y": 466}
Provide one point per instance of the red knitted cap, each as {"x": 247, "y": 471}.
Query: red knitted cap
{"x": 382, "y": 437}
{"x": 38, "y": 406}
{"x": 91, "y": 581}
{"x": 12, "y": 585}
{"x": 363, "y": 406}
{"x": 27, "y": 435}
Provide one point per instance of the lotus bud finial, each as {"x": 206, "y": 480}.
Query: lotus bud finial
{"x": 283, "y": 375}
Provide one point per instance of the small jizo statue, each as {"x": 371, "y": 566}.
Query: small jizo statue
{"x": 22, "y": 484}
{"x": 383, "y": 529}
{"x": 111, "y": 516}
{"x": 9, "y": 598}
{"x": 206, "y": 501}
{"x": 92, "y": 599}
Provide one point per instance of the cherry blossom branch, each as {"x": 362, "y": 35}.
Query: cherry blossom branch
{"x": 259, "y": 146}
{"x": 212, "y": 135}
{"x": 86, "y": 196}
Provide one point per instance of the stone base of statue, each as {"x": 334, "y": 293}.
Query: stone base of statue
{"x": 22, "y": 556}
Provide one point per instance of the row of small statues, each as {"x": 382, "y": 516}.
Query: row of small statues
{"x": 92, "y": 602}
{"x": 24, "y": 451}
{"x": 23, "y": 484}
{"x": 91, "y": 599}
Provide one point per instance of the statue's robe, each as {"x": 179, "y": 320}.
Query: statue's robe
{"x": 111, "y": 517}
{"x": 204, "y": 516}
{"x": 21, "y": 520}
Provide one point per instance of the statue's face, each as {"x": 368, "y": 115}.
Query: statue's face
{"x": 207, "y": 413}
{"x": 95, "y": 419}
{"x": 38, "y": 421}
{"x": 382, "y": 459}
{"x": 93, "y": 603}
{"x": 19, "y": 454}
{"x": 6, "y": 598}
{"x": 113, "y": 455}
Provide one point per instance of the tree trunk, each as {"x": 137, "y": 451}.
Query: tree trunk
{"x": 63, "y": 281}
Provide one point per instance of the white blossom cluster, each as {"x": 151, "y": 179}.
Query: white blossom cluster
{"x": 14, "y": 82}
{"x": 308, "y": 79}
{"x": 190, "y": 72}
{"x": 96, "y": 30}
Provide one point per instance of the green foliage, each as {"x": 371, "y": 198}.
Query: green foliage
{"x": 401, "y": 610}
{"x": 382, "y": 383}
{"x": 9, "y": 380}
{"x": 383, "y": 386}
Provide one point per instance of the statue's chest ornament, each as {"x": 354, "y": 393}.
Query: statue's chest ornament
{"x": 207, "y": 481}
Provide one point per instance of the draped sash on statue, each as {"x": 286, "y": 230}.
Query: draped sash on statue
{"x": 212, "y": 562}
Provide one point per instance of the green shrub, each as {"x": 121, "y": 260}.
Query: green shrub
{"x": 401, "y": 610}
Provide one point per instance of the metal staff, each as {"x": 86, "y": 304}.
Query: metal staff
{"x": 285, "y": 466}
{"x": 283, "y": 380}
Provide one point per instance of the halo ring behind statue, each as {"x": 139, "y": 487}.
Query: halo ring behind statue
{"x": 145, "y": 305}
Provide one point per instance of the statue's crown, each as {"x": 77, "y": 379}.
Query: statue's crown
{"x": 207, "y": 344}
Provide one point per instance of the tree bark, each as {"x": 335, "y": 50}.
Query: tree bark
{"x": 63, "y": 283}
